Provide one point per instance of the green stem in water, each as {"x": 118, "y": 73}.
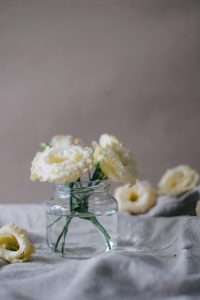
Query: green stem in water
{"x": 100, "y": 228}
{"x": 70, "y": 185}
{"x": 65, "y": 233}
{"x": 98, "y": 174}
{"x": 58, "y": 219}
{"x": 65, "y": 229}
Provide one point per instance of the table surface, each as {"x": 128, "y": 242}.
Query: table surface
{"x": 157, "y": 258}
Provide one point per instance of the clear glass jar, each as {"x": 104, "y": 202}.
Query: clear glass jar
{"x": 82, "y": 220}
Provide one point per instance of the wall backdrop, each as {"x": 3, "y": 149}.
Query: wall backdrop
{"x": 84, "y": 67}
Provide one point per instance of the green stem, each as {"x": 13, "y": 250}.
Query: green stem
{"x": 58, "y": 219}
{"x": 65, "y": 228}
{"x": 65, "y": 233}
{"x": 82, "y": 208}
{"x": 95, "y": 174}
{"x": 102, "y": 230}
{"x": 70, "y": 185}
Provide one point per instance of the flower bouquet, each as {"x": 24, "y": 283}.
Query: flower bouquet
{"x": 81, "y": 198}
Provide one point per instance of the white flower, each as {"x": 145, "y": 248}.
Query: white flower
{"x": 14, "y": 244}
{"x": 61, "y": 165}
{"x": 65, "y": 141}
{"x": 116, "y": 161}
{"x": 107, "y": 139}
{"x": 137, "y": 199}
{"x": 198, "y": 208}
{"x": 178, "y": 180}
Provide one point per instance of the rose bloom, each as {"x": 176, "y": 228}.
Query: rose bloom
{"x": 116, "y": 161}
{"x": 178, "y": 180}
{"x": 65, "y": 141}
{"x": 14, "y": 244}
{"x": 137, "y": 199}
{"x": 61, "y": 165}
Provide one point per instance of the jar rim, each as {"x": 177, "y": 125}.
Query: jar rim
{"x": 83, "y": 186}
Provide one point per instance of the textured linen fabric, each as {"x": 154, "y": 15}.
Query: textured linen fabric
{"x": 157, "y": 258}
{"x": 172, "y": 206}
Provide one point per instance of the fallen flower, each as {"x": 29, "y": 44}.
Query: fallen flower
{"x": 15, "y": 245}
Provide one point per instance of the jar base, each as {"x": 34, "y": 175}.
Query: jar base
{"x": 81, "y": 252}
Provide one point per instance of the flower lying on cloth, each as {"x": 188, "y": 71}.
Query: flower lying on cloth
{"x": 137, "y": 199}
{"x": 61, "y": 165}
{"x": 65, "y": 161}
{"x": 115, "y": 160}
{"x": 178, "y": 180}
{"x": 14, "y": 244}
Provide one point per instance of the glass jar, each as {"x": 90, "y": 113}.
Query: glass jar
{"x": 82, "y": 219}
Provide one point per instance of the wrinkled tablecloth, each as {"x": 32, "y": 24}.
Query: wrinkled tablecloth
{"x": 157, "y": 258}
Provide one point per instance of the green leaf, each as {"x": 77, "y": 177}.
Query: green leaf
{"x": 45, "y": 145}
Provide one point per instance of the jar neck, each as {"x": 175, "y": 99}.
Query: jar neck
{"x": 84, "y": 187}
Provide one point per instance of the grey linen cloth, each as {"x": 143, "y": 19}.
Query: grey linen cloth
{"x": 157, "y": 258}
{"x": 184, "y": 204}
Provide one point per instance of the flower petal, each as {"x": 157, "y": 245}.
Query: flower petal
{"x": 65, "y": 141}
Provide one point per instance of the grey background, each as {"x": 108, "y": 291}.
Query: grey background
{"x": 84, "y": 67}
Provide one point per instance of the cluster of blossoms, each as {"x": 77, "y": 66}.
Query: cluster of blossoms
{"x": 142, "y": 197}
{"x": 65, "y": 160}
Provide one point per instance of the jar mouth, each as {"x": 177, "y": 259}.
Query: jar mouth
{"x": 83, "y": 187}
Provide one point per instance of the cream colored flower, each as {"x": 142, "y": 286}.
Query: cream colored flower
{"x": 14, "y": 244}
{"x": 137, "y": 199}
{"x": 198, "y": 208}
{"x": 116, "y": 161}
{"x": 61, "y": 165}
{"x": 65, "y": 141}
{"x": 107, "y": 139}
{"x": 178, "y": 180}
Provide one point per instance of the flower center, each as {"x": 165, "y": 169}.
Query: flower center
{"x": 78, "y": 157}
{"x": 9, "y": 243}
{"x": 55, "y": 159}
{"x": 133, "y": 196}
{"x": 177, "y": 180}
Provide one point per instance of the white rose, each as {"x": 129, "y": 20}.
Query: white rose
{"x": 198, "y": 208}
{"x": 116, "y": 161}
{"x": 178, "y": 180}
{"x": 61, "y": 165}
{"x": 65, "y": 141}
{"x": 14, "y": 244}
{"x": 137, "y": 199}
